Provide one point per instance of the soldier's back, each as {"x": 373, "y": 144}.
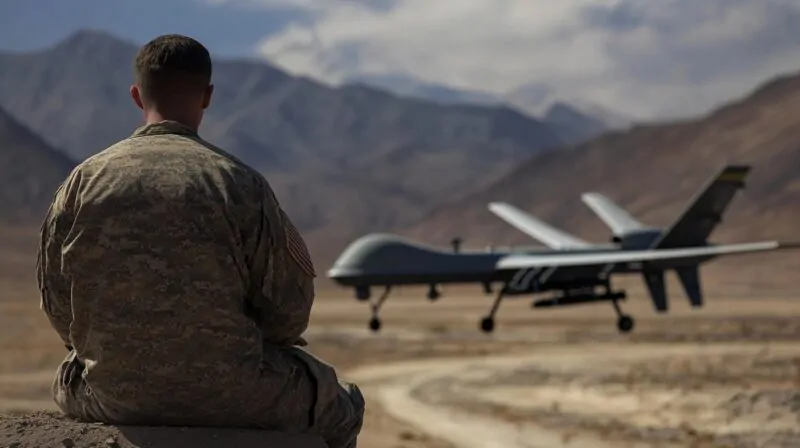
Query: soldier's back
{"x": 158, "y": 271}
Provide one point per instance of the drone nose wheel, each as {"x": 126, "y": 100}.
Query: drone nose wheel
{"x": 375, "y": 321}
{"x": 375, "y": 324}
{"x": 625, "y": 323}
{"x": 487, "y": 324}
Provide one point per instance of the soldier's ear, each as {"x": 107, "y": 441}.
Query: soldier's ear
{"x": 136, "y": 94}
{"x": 207, "y": 96}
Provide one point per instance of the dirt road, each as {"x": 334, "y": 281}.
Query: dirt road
{"x": 463, "y": 401}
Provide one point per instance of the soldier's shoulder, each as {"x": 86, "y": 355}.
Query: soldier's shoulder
{"x": 236, "y": 166}
{"x": 88, "y": 167}
{"x": 225, "y": 155}
{"x": 202, "y": 155}
{"x": 103, "y": 155}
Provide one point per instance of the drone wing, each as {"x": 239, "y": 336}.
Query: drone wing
{"x": 541, "y": 231}
{"x": 633, "y": 256}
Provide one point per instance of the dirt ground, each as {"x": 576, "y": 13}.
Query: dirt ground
{"x": 724, "y": 376}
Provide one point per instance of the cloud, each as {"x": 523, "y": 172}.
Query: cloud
{"x": 645, "y": 57}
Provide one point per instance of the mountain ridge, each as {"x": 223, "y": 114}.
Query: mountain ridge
{"x": 585, "y": 120}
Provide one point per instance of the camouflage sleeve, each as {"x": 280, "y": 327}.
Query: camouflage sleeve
{"x": 53, "y": 285}
{"x": 283, "y": 303}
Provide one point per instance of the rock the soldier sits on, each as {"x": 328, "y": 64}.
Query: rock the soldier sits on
{"x": 178, "y": 284}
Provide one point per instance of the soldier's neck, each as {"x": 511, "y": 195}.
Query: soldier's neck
{"x": 186, "y": 119}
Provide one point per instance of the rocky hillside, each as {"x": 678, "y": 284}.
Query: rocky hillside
{"x": 30, "y": 172}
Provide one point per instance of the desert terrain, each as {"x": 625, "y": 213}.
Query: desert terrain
{"x": 724, "y": 376}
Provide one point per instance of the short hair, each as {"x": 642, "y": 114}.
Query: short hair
{"x": 172, "y": 63}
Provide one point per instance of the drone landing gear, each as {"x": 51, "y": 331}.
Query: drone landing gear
{"x": 625, "y": 323}
{"x": 375, "y": 320}
{"x": 487, "y": 323}
{"x": 433, "y": 293}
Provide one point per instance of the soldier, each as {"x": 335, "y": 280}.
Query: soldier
{"x": 177, "y": 282}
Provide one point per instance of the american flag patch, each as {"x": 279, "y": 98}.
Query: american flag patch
{"x": 297, "y": 247}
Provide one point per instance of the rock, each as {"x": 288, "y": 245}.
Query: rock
{"x": 39, "y": 429}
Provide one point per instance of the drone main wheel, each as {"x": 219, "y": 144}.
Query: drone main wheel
{"x": 375, "y": 324}
{"x": 487, "y": 324}
{"x": 625, "y": 324}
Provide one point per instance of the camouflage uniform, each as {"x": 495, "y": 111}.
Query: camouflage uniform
{"x": 184, "y": 289}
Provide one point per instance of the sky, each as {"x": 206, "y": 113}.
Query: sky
{"x": 646, "y": 58}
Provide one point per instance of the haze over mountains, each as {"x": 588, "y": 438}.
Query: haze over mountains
{"x": 354, "y": 159}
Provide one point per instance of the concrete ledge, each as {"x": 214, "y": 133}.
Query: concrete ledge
{"x": 50, "y": 429}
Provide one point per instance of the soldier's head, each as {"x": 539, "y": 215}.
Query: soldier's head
{"x": 173, "y": 80}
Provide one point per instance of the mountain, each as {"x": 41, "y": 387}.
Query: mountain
{"x": 343, "y": 160}
{"x": 30, "y": 172}
{"x": 653, "y": 171}
{"x": 571, "y": 123}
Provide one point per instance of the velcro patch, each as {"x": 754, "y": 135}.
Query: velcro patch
{"x": 297, "y": 246}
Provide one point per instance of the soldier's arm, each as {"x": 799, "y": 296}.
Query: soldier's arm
{"x": 53, "y": 285}
{"x": 286, "y": 294}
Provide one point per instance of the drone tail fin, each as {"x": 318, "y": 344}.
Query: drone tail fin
{"x": 695, "y": 224}
{"x": 657, "y": 289}
{"x": 690, "y": 280}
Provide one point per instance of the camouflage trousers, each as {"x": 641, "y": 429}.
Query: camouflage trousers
{"x": 334, "y": 409}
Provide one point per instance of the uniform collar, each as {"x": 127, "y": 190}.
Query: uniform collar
{"x": 164, "y": 127}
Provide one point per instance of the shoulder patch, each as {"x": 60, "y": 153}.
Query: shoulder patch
{"x": 297, "y": 246}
